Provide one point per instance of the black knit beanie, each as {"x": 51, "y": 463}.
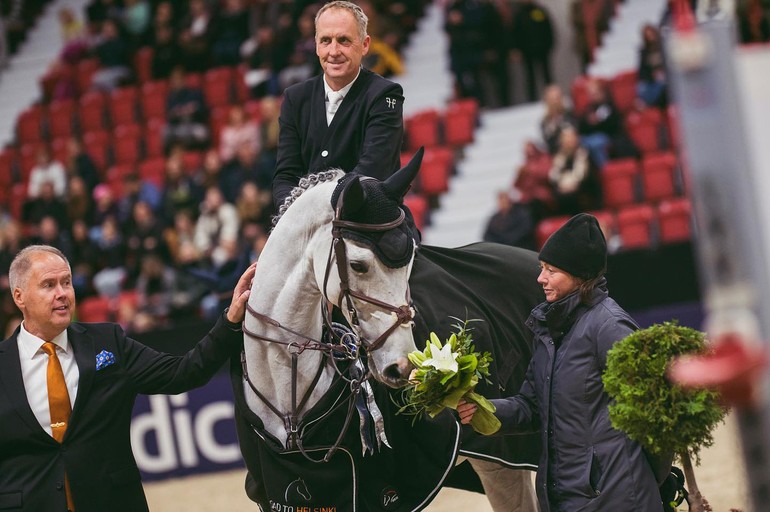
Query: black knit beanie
{"x": 578, "y": 247}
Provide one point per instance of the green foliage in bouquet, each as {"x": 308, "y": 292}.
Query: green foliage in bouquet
{"x": 446, "y": 372}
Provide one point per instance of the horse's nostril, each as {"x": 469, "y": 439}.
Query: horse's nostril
{"x": 398, "y": 372}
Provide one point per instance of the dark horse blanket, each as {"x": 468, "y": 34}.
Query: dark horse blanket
{"x": 491, "y": 282}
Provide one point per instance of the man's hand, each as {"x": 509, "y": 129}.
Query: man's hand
{"x": 237, "y": 310}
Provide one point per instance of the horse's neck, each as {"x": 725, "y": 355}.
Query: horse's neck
{"x": 285, "y": 290}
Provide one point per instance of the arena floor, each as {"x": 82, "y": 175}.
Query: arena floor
{"x": 721, "y": 478}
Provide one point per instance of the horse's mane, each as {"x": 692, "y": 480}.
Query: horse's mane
{"x": 305, "y": 183}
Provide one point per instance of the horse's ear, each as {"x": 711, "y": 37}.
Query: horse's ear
{"x": 353, "y": 197}
{"x": 397, "y": 185}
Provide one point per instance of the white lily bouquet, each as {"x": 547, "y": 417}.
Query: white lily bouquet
{"x": 447, "y": 372}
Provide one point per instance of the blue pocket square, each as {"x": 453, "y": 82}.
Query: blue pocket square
{"x": 104, "y": 359}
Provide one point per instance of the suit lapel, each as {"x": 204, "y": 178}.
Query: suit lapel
{"x": 83, "y": 345}
{"x": 13, "y": 383}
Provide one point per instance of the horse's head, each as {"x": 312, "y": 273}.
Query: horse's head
{"x": 374, "y": 250}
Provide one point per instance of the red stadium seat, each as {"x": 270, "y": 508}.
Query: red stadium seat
{"x": 547, "y": 226}
{"x": 418, "y": 205}
{"x": 659, "y": 180}
{"x": 646, "y": 129}
{"x": 674, "y": 220}
{"x": 85, "y": 71}
{"x": 122, "y": 106}
{"x": 143, "y": 64}
{"x": 60, "y": 149}
{"x": 254, "y": 109}
{"x": 435, "y": 170}
{"x": 61, "y": 116}
{"x": 422, "y": 129}
{"x": 218, "y": 120}
{"x": 242, "y": 92}
{"x": 8, "y": 161}
{"x": 619, "y": 182}
{"x": 193, "y": 160}
{"x": 91, "y": 112}
{"x": 95, "y": 309}
{"x": 153, "y": 138}
{"x": 194, "y": 80}
{"x": 16, "y": 199}
{"x": 152, "y": 101}
{"x": 154, "y": 171}
{"x": 218, "y": 86}
{"x": 28, "y": 159}
{"x": 635, "y": 226}
{"x": 127, "y": 144}
{"x": 97, "y": 145}
{"x": 459, "y": 124}
{"x": 579, "y": 94}
{"x": 29, "y": 125}
{"x": 622, "y": 89}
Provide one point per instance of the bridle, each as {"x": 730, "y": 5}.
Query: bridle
{"x": 404, "y": 313}
{"x": 337, "y": 348}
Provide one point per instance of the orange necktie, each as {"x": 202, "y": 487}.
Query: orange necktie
{"x": 58, "y": 403}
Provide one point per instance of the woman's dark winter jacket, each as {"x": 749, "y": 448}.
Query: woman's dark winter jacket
{"x": 586, "y": 465}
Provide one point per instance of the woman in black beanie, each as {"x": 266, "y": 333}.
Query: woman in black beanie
{"x": 586, "y": 465}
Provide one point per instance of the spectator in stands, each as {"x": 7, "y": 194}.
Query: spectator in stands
{"x": 11, "y": 242}
{"x": 590, "y": 19}
{"x": 264, "y": 59}
{"x": 195, "y": 36}
{"x": 186, "y": 114}
{"x": 513, "y": 223}
{"x": 254, "y": 205}
{"x": 104, "y": 205}
{"x": 573, "y": 176}
{"x": 364, "y": 133}
{"x": 533, "y": 184}
{"x": 533, "y": 38}
{"x": 180, "y": 239}
{"x": 44, "y": 205}
{"x": 180, "y": 192}
{"x": 154, "y": 286}
{"x": 112, "y": 51}
{"x": 164, "y": 17}
{"x": 474, "y": 28}
{"x": 651, "y": 72}
{"x": 302, "y": 60}
{"x": 98, "y": 11}
{"x": 216, "y": 232}
{"x": 166, "y": 54}
{"x": 85, "y": 258}
{"x": 79, "y": 203}
{"x": 144, "y": 236}
{"x": 48, "y": 232}
{"x": 557, "y": 116}
{"x": 269, "y": 129}
{"x": 46, "y": 170}
{"x": 137, "y": 190}
{"x": 111, "y": 256}
{"x": 136, "y": 21}
{"x": 78, "y": 163}
{"x": 239, "y": 130}
{"x": 210, "y": 173}
{"x": 382, "y": 58}
{"x": 70, "y": 26}
{"x": 753, "y": 22}
{"x": 600, "y": 124}
{"x": 230, "y": 30}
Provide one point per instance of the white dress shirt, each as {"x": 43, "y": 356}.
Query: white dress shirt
{"x": 334, "y": 98}
{"x": 34, "y": 364}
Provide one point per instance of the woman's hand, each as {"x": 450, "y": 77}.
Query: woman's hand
{"x": 466, "y": 411}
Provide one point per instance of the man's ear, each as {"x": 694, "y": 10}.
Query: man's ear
{"x": 18, "y": 298}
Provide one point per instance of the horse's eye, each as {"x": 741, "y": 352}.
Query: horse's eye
{"x": 359, "y": 267}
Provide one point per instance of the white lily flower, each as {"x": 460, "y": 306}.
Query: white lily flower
{"x": 443, "y": 360}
